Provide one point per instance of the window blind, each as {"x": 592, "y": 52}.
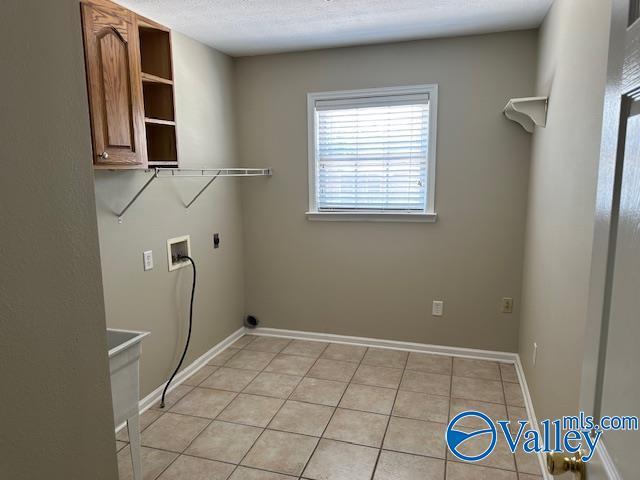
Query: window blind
{"x": 372, "y": 153}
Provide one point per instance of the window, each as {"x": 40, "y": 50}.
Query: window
{"x": 372, "y": 154}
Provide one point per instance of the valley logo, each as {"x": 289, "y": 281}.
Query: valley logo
{"x": 570, "y": 434}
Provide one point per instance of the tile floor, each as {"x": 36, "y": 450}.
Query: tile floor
{"x": 271, "y": 408}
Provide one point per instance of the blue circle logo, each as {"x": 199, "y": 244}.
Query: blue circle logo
{"x": 456, "y": 438}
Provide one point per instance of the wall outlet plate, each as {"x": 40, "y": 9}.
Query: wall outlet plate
{"x": 506, "y": 305}
{"x": 437, "y": 308}
{"x": 147, "y": 258}
{"x": 175, "y": 247}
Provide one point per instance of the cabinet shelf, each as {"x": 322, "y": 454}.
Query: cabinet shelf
{"x": 158, "y": 94}
{"x": 161, "y": 142}
{"x": 155, "y": 51}
{"x": 147, "y": 77}
{"x": 158, "y": 121}
{"x": 163, "y": 164}
{"x": 158, "y": 101}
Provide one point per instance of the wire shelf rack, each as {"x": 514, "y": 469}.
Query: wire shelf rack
{"x": 211, "y": 173}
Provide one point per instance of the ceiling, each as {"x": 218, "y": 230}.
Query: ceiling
{"x": 254, "y": 27}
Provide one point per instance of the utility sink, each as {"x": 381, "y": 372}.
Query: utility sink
{"x": 119, "y": 340}
{"x": 124, "y": 359}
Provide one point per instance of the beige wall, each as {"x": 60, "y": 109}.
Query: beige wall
{"x": 572, "y": 72}
{"x": 158, "y": 300}
{"x": 56, "y": 420}
{"x": 378, "y": 279}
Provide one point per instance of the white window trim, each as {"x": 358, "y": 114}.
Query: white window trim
{"x": 429, "y": 215}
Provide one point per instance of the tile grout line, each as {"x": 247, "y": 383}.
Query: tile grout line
{"x": 145, "y": 428}
{"x": 200, "y": 432}
{"x": 502, "y": 382}
{"x": 236, "y": 394}
{"x": 335, "y": 409}
{"x": 332, "y": 414}
{"x": 446, "y": 447}
{"x": 211, "y": 420}
{"x": 350, "y": 382}
{"x": 340, "y": 441}
{"x": 313, "y": 404}
{"x": 305, "y": 434}
{"x": 263, "y": 428}
{"x": 283, "y": 404}
{"x": 506, "y": 407}
{"x": 386, "y": 429}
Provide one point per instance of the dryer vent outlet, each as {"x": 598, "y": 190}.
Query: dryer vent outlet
{"x": 251, "y": 322}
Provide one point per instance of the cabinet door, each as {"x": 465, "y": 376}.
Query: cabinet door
{"x": 115, "y": 89}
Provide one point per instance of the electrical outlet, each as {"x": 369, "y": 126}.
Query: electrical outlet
{"x": 507, "y": 305}
{"x": 535, "y": 353}
{"x": 437, "y": 308}
{"x": 147, "y": 258}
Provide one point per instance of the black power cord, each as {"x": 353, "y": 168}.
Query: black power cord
{"x": 184, "y": 353}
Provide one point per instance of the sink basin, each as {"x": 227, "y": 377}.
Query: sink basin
{"x": 124, "y": 360}
{"x": 119, "y": 340}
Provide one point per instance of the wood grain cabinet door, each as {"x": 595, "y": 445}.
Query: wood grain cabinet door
{"x": 112, "y": 55}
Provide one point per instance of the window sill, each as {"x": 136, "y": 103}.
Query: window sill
{"x": 372, "y": 217}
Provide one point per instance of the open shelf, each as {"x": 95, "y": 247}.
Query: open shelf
{"x": 148, "y": 78}
{"x": 158, "y": 94}
{"x": 155, "y": 53}
{"x": 158, "y": 121}
{"x": 158, "y": 164}
{"x": 158, "y": 101}
{"x": 161, "y": 143}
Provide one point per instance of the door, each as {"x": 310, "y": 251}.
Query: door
{"x": 611, "y": 376}
{"x": 115, "y": 89}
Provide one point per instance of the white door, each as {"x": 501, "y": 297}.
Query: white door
{"x": 611, "y": 372}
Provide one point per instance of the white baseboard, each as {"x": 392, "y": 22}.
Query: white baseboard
{"x": 186, "y": 372}
{"x": 528, "y": 403}
{"x": 507, "y": 357}
{"x": 604, "y": 465}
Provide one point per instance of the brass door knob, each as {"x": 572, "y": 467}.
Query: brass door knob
{"x": 559, "y": 463}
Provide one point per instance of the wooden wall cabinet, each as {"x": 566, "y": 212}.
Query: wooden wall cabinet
{"x": 130, "y": 86}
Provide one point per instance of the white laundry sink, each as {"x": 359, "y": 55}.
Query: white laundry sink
{"x": 124, "y": 360}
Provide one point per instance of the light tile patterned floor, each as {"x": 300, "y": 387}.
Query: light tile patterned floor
{"x": 271, "y": 408}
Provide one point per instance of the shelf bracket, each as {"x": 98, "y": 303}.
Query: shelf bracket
{"x": 528, "y": 112}
{"x": 133, "y": 200}
{"x": 203, "y": 189}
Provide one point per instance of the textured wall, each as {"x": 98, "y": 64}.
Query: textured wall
{"x": 562, "y": 192}
{"x": 378, "y": 279}
{"x": 56, "y": 420}
{"x": 158, "y": 300}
